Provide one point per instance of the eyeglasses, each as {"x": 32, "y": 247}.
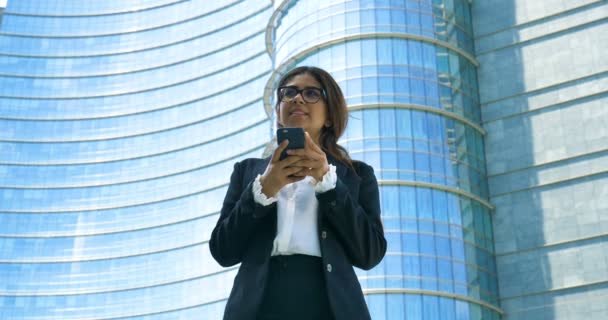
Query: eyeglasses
{"x": 309, "y": 94}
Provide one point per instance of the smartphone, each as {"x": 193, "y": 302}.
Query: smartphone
{"x": 295, "y": 137}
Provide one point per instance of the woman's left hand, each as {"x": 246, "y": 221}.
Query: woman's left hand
{"x": 314, "y": 163}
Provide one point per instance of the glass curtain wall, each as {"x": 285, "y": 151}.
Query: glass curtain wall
{"x": 115, "y": 152}
{"x": 408, "y": 72}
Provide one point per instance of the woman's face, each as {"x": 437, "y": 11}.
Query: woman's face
{"x": 300, "y": 113}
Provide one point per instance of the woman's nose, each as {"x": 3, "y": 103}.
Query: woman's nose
{"x": 298, "y": 98}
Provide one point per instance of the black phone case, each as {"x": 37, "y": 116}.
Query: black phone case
{"x": 295, "y": 137}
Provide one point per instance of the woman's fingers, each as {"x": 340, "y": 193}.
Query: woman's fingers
{"x": 306, "y": 153}
{"x": 311, "y": 145}
{"x": 307, "y": 163}
{"x": 291, "y": 170}
{"x": 310, "y": 150}
{"x": 289, "y": 161}
{"x": 277, "y": 153}
{"x": 294, "y": 178}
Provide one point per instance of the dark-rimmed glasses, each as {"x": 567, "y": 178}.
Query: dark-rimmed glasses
{"x": 308, "y": 94}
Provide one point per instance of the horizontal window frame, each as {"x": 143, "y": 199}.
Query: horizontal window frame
{"x": 385, "y": 291}
{"x": 19, "y": 35}
{"x": 162, "y": 108}
{"x": 199, "y": 36}
{"x": 98, "y": 14}
{"x": 471, "y": 196}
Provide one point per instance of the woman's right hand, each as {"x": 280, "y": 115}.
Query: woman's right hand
{"x": 279, "y": 172}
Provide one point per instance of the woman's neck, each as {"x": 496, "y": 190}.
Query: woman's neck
{"x": 315, "y": 137}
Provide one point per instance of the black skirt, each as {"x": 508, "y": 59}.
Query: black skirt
{"x": 295, "y": 290}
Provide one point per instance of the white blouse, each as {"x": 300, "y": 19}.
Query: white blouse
{"x": 297, "y": 204}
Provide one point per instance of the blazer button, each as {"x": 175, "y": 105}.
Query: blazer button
{"x": 333, "y": 203}
{"x": 329, "y": 267}
{"x": 323, "y": 234}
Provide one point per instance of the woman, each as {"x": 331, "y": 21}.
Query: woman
{"x": 299, "y": 225}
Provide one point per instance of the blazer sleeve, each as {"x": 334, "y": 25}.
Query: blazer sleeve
{"x": 357, "y": 221}
{"x": 238, "y": 219}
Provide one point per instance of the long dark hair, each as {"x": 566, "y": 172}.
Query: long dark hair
{"x": 337, "y": 113}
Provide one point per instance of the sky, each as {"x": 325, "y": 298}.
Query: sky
{"x": 2, "y": 3}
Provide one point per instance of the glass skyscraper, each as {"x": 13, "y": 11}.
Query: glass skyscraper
{"x": 120, "y": 122}
{"x": 408, "y": 73}
{"x": 543, "y": 87}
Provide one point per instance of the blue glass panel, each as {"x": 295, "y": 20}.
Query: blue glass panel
{"x": 376, "y": 304}
{"x": 390, "y": 200}
{"x": 388, "y": 128}
{"x": 371, "y": 123}
{"x": 395, "y": 307}
{"x": 407, "y": 204}
{"x": 414, "y": 307}
{"x": 447, "y": 309}
{"x": 430, "y": 307}
{"x": 443, "y": 246}
{"x": 427, "y": 244}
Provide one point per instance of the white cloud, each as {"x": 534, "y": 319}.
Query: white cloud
{"x": 2, "y": 3}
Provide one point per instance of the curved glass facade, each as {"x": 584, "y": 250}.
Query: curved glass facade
{"x": 115, "y": 154}
{"x": 409, "y": 76}
{"x": 115, "y": 151}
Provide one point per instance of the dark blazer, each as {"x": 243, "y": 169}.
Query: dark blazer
{"x": 350, "y": 233}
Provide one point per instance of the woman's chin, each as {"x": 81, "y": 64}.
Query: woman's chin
{"x": 296, "y": 123}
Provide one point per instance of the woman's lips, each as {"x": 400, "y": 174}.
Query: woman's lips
{"x": 298, "y": 113}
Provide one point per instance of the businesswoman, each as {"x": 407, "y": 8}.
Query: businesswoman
{"x": 299, "y": 225}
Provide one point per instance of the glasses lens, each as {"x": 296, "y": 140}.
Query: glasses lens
{"x": 287, "y": 94}
{"x": 311, "y": 95}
